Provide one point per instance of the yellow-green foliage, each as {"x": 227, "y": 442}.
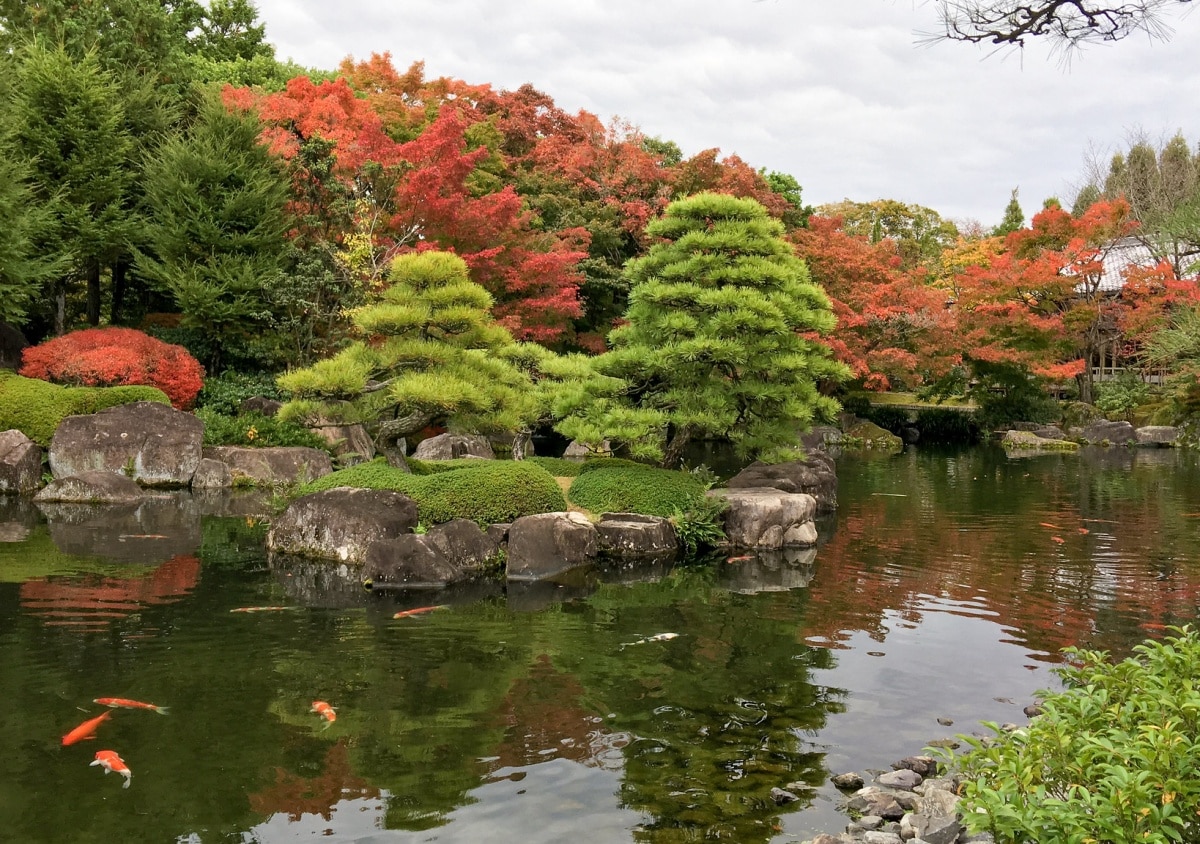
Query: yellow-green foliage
{"x": 485, "y": 491}
{"x": 635, "y": 489}
{"x": 35, "y": 408}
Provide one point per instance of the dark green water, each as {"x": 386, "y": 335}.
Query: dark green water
{"x": 543, "y": 714}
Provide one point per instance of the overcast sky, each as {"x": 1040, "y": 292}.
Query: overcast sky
{"x": 841, "y": 94}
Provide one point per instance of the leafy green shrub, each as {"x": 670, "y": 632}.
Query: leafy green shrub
{"x": 1120, "y": 397}
{"x": 225, "y": 393}
{"x": 594, "y": 463}
{"x": 255, "y": 430}
{"x": 942, "y": 425}
{"x": 894, "y": 419}
{"x": 488, "y": 491}
{"x": 636, "y": 488}
{"x": 1113, "y": 757}
{"x": 702, "y": 525}
{"x": 36, "y": 407}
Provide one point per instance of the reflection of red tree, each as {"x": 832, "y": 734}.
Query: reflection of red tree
{"x": 296, "y": 796}
{"x": 92, "y": 599}
{"x": 542, "y": 712}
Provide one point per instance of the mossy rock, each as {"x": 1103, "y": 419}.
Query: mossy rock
{"x": 636, "y": 488}
{"x": 486, "y": 491}
{"x": 864, "y": 434}
{"x": 1028, "y": 441}
{"x": 35, "y": 407}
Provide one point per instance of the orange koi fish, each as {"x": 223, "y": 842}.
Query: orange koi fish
{"x": 1048, "y": 525}
{"x": 1057, "y": 539}
{"x": 86, "y": 730}
{"x": 1083, "y": 531}
{"x": 260, "y": 609}
{"x": 740, "y": 559}
{"x": 418, "y": 611}
{"x": 324, "y": 710}
{"x": 125, "y": 703}
{"x": 110, "y": 761}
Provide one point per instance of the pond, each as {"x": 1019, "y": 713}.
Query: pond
{"x": 944, "y": 588}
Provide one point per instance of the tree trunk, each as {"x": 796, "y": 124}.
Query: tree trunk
{"x": 93, "y": 293}
{"x": 389, "y": 439}
{"x": 521, "y": 440}
{"x": 60, "y": 309}
{"x": 120, "y": 276}
{"x": 679, "y": 441}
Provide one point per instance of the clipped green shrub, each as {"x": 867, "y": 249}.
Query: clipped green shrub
{"x": 636, "y": 489}
{"x": 594, "y": 463}
{"x": 557, "y": 466}
{"x": 435, "y": 467}
{"x": 942, "y": 425}
{"x": 255, "y": 430}
{"x": 35, "y": 407}
{"x": 487, "y": 492}
{"x": 1112, "y": 758}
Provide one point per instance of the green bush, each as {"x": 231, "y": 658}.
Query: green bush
{"x": 225, "y": 393}
{"x": 557, "y": 466}
{"x": 942, "y": 425}
{"x": 702, "y": 525}
{"x": 636, "y": 488}
{"x": 1112, "y": 758}
{"x": 36, "y": 407}
{"x": 487, "y": 492}
{"x": 594, "y": 463}
{"x": 1123, "y": 395}
{"x": 255, "y": 430}
{"x": 893, "y": 419}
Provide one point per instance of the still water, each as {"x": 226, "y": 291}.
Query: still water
{"x": 944, "y": 589}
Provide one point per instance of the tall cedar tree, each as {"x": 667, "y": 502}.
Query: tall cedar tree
{"x": 719, "y": 333}
{"x": 216, "y": 234}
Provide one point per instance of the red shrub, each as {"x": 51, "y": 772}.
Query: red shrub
{"x": 110, "y": 357}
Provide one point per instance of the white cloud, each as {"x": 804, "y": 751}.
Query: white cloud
{"x": 840, "y": 95}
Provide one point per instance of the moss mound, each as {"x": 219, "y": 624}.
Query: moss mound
{"x": 557, "y": 466}
{"x": 35, "y": 407}
{"x": 486, "y": 491}
{"x": 635, "y": 488}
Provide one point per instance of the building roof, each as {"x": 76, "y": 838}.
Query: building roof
{"x": 1117, "y": 257}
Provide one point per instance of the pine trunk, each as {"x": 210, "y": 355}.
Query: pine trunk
{"x": 679, "y": 441}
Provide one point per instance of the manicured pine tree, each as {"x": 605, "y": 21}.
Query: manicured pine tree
{"x": 722, "y": 333}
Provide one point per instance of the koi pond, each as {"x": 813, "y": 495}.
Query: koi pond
{"x": 944, "y": 588}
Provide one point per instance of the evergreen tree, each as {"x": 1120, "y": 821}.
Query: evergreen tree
{"x": 721, "y": 333}
{"x": 216, "y": 235}
{"x": 1014, "y": 217}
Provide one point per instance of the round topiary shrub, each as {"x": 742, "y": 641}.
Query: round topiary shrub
{"x": 109, "y": 357}
{"x": 636, "y": 489}
{"x": 35, "y": 407}
{"x": 485, "y": 491}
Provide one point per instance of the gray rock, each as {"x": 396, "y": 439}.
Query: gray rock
{"x": 547, "y": 544}
{"x": 1115, "y": 433}
{"x": 499, "y": 533}
{"x": 875, "y": 802}
{"x": 1157, "y": 435}
{"x": 156, "y": 444}
{"x": 97, "y": 487}
{"x": 940, "y": 830}
{"x": 782, "y": 797}
{"x": 879, "y": 837}
{"x": 634, "y": 535}
{"x": 1032, "y": 710}
{"x": 20, "y": 464}
{"x": 341, "y": 523}
{"x": 351, "y": 444}
{"x": 764, "y": 518}
{"x": 212, "y": 474}
{"x": 578, "y": 451}
{"x": 902, "y": 778}
{"x": 847, "y": 781}
{"x": 260, "y": 404}
{"x": 285, "y": 465}
{"x": 815, "y": 475}
{"x": 453, "y": 447}
{"x": 1049, "y": 432}
{"x": 867, "y": 822}
{"x": 829, "y": 839}
{"x": 923, "y": 765}
{"x": 938, "y": 803}
{"x": 447, "y": 553}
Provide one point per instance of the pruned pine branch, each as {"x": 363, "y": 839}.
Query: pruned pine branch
{"x": 1065, "y": 23}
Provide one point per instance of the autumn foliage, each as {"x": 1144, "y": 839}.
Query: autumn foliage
{"x": 109, "y": 357}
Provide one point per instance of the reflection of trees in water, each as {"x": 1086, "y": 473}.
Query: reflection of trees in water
{"x": 295, "y": 795}
{"x": 1091, "y": 549}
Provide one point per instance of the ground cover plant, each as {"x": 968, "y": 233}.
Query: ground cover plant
{"x": 1112, "y": 758}
{"x": 636, "y": 488}
{"x": 35, "y": 407}
{"x": 256, "y": 430}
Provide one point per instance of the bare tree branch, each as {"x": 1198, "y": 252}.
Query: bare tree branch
{"x": 1065, "y": 23}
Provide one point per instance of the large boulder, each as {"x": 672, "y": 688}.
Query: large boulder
{"x": 547, "y": 544}
{"x": 447, "y": 553}
{"x": 816, "y": 475}
{"x": 20, "y": 464}
{"x": 454, "y": 446}
{"x": 271, "y": 466}
{"x": 1015, "y": 440}
{"x": 578, "y": 451}
{"x": 342, "y": 523}
{"x": 632, "y": 535}
{"x": 212, "y": 474}
{"x": 153, "y": 443}
{"x": 94, "y": 487}
{"x": 768, "y": 518}
{"x": 1161, "y": 436}
{"x": 350, "y": 444}
{"x": 1111, "y": 433}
